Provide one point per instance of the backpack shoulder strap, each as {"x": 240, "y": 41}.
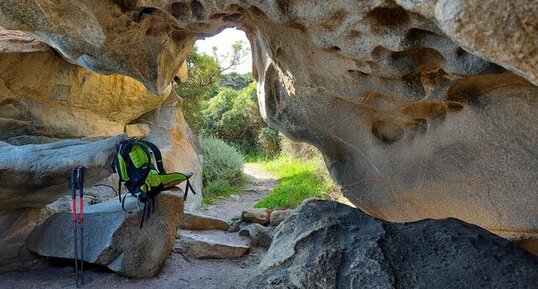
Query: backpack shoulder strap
{"x": 142, "y": 177}
{"x": 157, "y": 154}
{"x": 121, "y": 147}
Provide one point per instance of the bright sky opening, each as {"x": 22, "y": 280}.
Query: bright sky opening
{"x": 223, "y": 41}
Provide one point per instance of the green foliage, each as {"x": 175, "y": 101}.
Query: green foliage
{"x": 302, "y": 174}
{"x": 234, "y": 117}
{"x": 223, "y": 105}
{"x": 258, "y": 156}
{"x": 235, "y": 80}
{"x": 269, "y": 141}
{"x": 205, "y": 71}
{"x": 298, "y": 180}
{"x": 298, "y": 149}
{"x": 222, "y": 168}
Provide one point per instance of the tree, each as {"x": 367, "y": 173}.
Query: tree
{"x": 204, "y": 73}
{"x": 235, "y": 80}
{"x": 234, "y": 116}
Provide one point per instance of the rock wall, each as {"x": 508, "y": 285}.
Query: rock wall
{"x": 54, "y": 114}
{"x": 421, "y": 108}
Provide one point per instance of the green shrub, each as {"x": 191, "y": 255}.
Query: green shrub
{"x": 298, "y": 149}
{"x": 222, "y": 168}
{"x": 234, "y": 117}
{"x": 269, "y": 141}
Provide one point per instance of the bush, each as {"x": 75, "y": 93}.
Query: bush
{"x": 234, "y": 117}
{"x": 269, "y": 141}
{"x": 222, "y": 168}
{"x": 298, "y": 149}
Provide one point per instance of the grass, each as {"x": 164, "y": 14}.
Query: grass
{"x": 298, "y": 180}
{"x": 215, "y": 190}
{"x": 257, "y": 156}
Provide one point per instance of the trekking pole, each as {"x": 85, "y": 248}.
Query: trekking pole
{"x": 80, "y": 183}
{"x": 73, "y": 187}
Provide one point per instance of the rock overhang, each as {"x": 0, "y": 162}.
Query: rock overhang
{"x": 413, "y": 104}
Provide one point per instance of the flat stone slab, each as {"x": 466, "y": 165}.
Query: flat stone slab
{"x": 194, "y": 221}
{"x": 211, "y": 244}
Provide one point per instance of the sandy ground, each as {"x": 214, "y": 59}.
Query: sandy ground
{"x": 177, "y": 273}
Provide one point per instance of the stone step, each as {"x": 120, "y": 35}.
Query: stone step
{"x": 194, "y": 221}
{"x": 211, "y": 244}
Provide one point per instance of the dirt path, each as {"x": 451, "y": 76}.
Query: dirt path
{"x": 230, "y": 208}
{"x": 178, "y": 272}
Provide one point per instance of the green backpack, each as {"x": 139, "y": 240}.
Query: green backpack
{"x": 139, "y": 165}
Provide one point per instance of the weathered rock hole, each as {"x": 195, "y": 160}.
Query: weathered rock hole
{"x": 417, "y": 36}
{"x": 197, "y": 9}
{"x": 468, "y": 94}
{"x": 454, "y": 106}
{"x": 126, "y": 5}
{"x": 178, "y": 35}
{"x": 460, "y": 52}
{"x": 335, "y": 49}
{"x": 387, "y": 131}
{"x": 388, "y": 17}
{"x": 420, "y": 57}
{"x": 180, "y": 10}
{"x": 284, "y": 5}
{"x": 144, "y": 11}
{"x": 217, "y": 16}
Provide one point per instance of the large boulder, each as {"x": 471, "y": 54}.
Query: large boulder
{"x": 329, "y": 245}
{"x": 37, "y": 175}
{"x": 261, "y": 236}
{"x": 112, "y": 237}
{"x": 15, "y": 226}
{"x": 421, "y": 108}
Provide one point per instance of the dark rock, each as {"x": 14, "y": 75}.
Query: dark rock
{"x": 235, "y": 227}
{"x": 329, "y": 245}
{"x": 260, "y": 235}
{"x": 279, "y": 216}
